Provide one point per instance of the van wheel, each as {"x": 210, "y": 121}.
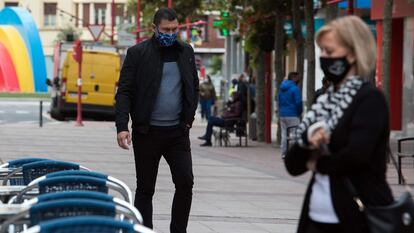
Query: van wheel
{"x": 55, "y": 113}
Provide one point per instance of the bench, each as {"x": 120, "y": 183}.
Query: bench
{"x": 236, "y": 126}
{"x": 401, "y": 154}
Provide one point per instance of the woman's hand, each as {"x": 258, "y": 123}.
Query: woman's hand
{"x": 318, "y": 137}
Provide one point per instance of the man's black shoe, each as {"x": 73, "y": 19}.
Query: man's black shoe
{"x": 206, "y": 144}
{"x": 202, "y": 137}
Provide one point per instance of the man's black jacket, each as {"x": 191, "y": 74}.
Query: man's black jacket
{"x": 140, "y": 81}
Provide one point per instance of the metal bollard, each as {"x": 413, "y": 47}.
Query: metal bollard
{"x": 41, "y": 114}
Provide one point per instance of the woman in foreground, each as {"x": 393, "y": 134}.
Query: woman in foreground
{"x": 344, "y": 135}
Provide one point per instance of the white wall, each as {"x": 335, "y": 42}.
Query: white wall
{"x": 318, "y": 74}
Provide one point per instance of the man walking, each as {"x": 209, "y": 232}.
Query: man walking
{"x": 290, "y": 106}
{"x": 158, "y": 87}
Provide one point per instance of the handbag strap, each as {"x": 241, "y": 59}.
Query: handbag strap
{"x": 351, "y": 188}
{"x": 324, "y": 149}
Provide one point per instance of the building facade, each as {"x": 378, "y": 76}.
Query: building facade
{"x": 402, "y": 62}
{"x": 56, "y": 16}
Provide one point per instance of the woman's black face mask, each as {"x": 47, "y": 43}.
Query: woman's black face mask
{"x": 335, "y": 69}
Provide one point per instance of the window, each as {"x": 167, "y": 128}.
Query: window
{"x": 85, "y": 18}
{"x": 76, "y": 14}
{"x": 119, "y": 14}
{"x": 100, "y": 13}
{"x": 9, "y": 4}
{"x": 50, "y": 14}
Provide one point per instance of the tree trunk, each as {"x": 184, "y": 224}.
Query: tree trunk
{"x": 298, "y": 37}
{"x": 279, "y": 65}
{"x": 260, "y": 97}
{"x": 386, "y": 49}
{"x": 310, "y": 52}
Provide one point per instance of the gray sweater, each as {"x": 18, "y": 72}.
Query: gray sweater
{"x": 169, "y": 101}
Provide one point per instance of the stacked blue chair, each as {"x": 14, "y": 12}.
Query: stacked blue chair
{"x": 34, "y": 170}
{"x": 124, "y": 189}
{"x": 87, "y": 195}
{"x": 13, "y": 164}
{"x": 56, "y": 196}
{"x": 47, "y": 209}
{"x": 30, "y": 170}
{"x": 90, "y": 224}
{"x": 67, "y": 181}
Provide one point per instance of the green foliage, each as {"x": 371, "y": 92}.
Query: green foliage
{"x": 258, "y": 20}
{"x": 216, "y": 64}
{"x": 184, "y": 8}
{"x": 63, "y": 32}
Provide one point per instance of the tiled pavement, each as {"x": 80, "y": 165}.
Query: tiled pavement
{"x": 245, "y": 190}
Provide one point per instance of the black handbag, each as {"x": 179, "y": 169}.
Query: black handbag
{"x": 395, "y": 218}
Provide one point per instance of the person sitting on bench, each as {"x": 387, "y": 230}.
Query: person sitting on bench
{"x": 234, "y": 111}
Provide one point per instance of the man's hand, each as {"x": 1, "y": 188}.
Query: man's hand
{"x": 124, "y": 139}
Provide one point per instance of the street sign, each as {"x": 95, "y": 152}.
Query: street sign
{"x": 96, "y": 30}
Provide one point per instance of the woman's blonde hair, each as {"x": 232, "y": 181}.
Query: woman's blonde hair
{"x": 355, "y": 35}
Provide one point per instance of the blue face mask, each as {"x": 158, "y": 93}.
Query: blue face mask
{"x": 166, "y": 39}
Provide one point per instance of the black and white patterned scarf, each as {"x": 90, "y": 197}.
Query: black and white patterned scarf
{"x": 329, "y": 107}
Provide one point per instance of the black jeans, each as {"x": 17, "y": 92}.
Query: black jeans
{"x": 174, "y": 144}
{"x": 316, "y": 227}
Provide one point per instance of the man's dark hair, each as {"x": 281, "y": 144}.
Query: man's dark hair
{"x": 164, "y": 13}
{"x": 293, "y": 75}
{"x": 234, "y": 82}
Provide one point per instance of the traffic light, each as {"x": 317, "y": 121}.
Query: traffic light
{"x": 224, "y": 32}
{"x": 223, "y": 23}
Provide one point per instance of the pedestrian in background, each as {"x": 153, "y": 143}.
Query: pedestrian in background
{"x": 290, "y": 106}
{"x": 207, "y": 97}
{"x": 242, "y": 89}
{"x": 158, "y": 87}
{"x": 233, "y": 87}
{"x": 344, "y": 137}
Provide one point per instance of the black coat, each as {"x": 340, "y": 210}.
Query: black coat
{"x": 359, "y": 146}
{"x": 140, "y": 81}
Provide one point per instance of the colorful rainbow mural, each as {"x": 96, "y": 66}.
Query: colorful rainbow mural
{"x": 22, "y": 66}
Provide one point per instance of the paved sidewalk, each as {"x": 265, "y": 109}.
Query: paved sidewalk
{"x": 244, "y": 190}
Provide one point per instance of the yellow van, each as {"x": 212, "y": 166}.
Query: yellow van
{"x": 100, "y": 73}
